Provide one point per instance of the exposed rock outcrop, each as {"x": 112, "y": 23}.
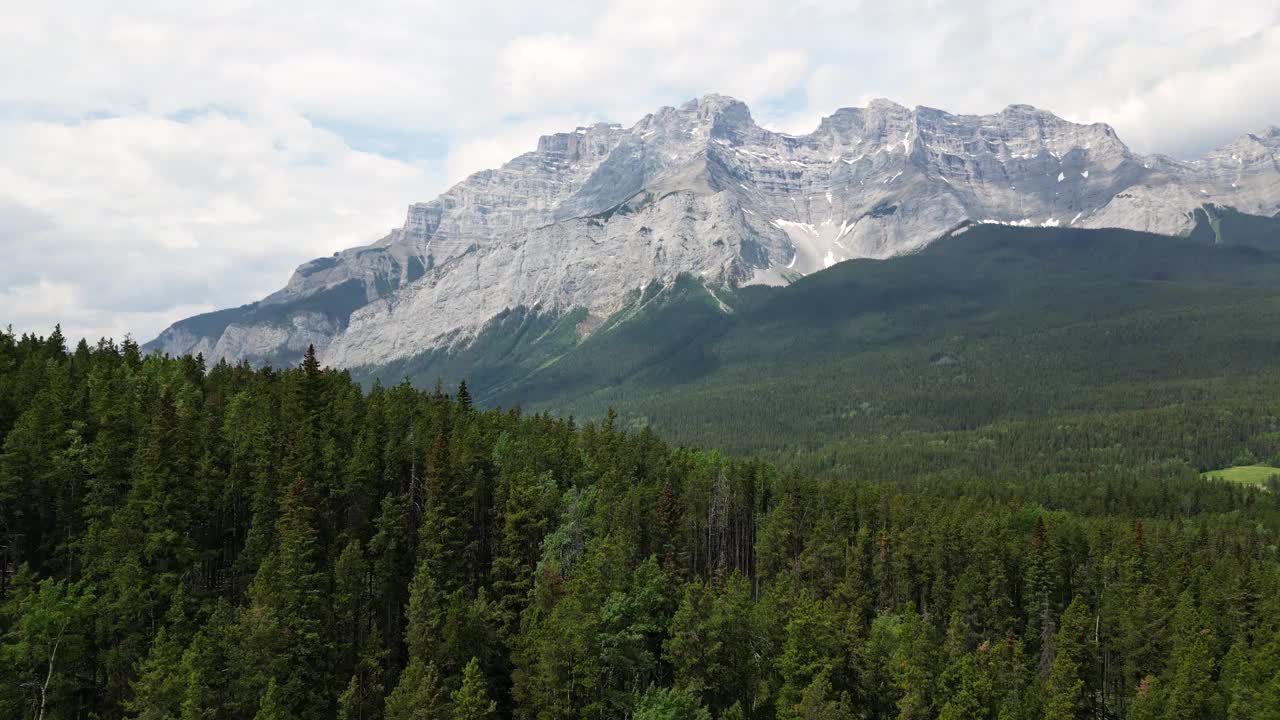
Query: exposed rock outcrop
{"x": 592, "y": 214}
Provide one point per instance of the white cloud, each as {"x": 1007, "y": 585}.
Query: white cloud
{"x": 142, "y": 216}
{"x": 123, "y": 217}
{"x": 44, "y": 304}
{"x": 538, "y": 68}
{"x": 1220, "y": 90}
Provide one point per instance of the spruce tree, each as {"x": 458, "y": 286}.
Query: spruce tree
{"x": 425, "y": 615}
{"x": 1040, "y": 583}
{"x": 364, "y": 696}
{"x": 1065, "y": 687}
{"x": 161, "y": 685}
{"x": 819, "y": 702}
{"x": 272, "y": 706}
{"x": 471, "y": 701}
{"x": 290, "y": 611}
{"x": 419, "y": 695}
{"x": 1192, "y": 693}
{"x": 1147, "y": 701}
{"x": 671, "y": 704}
{"x": 968, "y": 692}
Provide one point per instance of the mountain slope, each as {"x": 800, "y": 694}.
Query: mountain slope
{"x": 589, "y": 217}
{"x": 992, "y": 324}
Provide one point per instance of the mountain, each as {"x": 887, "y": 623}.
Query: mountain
{"x": 579, "y": 225}
{"x": 991, "y": 325}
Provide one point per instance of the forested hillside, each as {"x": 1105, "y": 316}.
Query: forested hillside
{"x": 1040, "y": 357}
{"x": 1000, "y": 332}
{"x": 191, "y": 542}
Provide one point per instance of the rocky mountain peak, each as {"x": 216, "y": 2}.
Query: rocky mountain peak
{"x": 697, "y": 120}
{"x": 1248, "y": 149}
{"x": 582, "y": 142}
{"x": 589, "y": 215}
{"x": 711, "y": 105}
{"x": 885, "y": 106}
{"x": 1268, "y": 138}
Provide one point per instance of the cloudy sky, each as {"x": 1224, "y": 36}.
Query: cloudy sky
{"x": 163, "y": 159}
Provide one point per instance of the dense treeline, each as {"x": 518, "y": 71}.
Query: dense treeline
{"x": 191, "y": 542}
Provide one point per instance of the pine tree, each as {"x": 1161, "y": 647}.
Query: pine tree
{"x": 364, "y": 696}
{"x": 28, "y": 478}
{"x": 392, "y": 549}
{"x": 530, "y": 507}
{"x": 162, "y": 498}
{"x": 213, "y": 686}
{"x": 819, "y": 702}
{"x": 1009, "y": 676}
{"x": 272, "y": 706}
{"x": 1269, "y": 704}
{"x": 1192, "y": 693}
{"x": 161, "y": 685}
{"x": 57, "y": 342}
{"x": 310, "y": 363}
{"x": 815, "y": 645}
{"x": 1039, "y": 593}
{"x": 471, "y": 701}
{"x": 351, "y": 578}
{"x": 1065, "y": 688}
{"x": 914, "y": 668}
{"x": 425, "y": 615}
{"x": 418, "y": 696}
{"x": 967, "y": 697}
{"x": 131, "y": 353}
{"x": 670, "y": 704}
{"x": 1146, "y": 703}
{"x": 470, "y": 631}
{"x": 694, "y": 649}
{"x": 443, "y": 533}
{"x": 558, "y": 672}
{"x": 289, "y": 612}
{"x": 1243, "y": 679}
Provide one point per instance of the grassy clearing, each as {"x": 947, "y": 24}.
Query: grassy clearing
{"x": 1245, "y": 474}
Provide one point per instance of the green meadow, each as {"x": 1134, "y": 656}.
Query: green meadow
{"x": 1245, "y": 474}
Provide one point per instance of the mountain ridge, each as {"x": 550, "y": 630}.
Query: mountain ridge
{"x": 592, "y": 214}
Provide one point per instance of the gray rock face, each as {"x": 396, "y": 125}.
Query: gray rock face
{"x": 593, "y": 214}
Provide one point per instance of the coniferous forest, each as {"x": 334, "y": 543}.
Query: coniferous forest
{"x": 183, "y": 541}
